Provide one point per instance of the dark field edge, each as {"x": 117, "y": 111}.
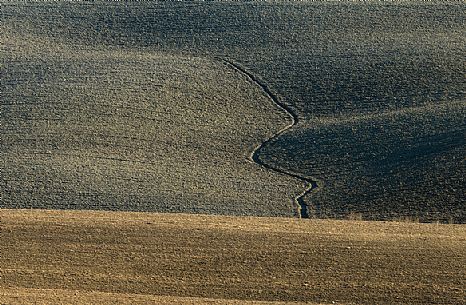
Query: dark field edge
{"x": 312, "y": 183}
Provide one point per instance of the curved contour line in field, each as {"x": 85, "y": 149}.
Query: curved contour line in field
{"x": 313, "y": 184}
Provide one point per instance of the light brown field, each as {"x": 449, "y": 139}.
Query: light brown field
{"x": 60, "y": 296}
{"x": 74, "y": 256}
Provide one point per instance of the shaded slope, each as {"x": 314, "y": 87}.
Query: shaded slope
{"x": 242, "y": 258}
{"x": 401, "y": 163}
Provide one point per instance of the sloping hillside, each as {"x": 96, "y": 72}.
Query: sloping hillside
{"x": 119, "y": 129}
{"x": 378, "y": 87}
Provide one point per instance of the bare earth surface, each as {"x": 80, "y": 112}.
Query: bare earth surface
{"x": 127, "y": 106}
{"x": 140, "y": 257}
{"x": 133, "y": 130}
{"x": 59, "y": 296}
{"x": 163, "y": 107}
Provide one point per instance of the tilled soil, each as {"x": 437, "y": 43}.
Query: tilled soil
{"x": 231, "y": 258}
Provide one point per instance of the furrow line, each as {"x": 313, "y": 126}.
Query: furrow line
{"x": 312, "y": 184}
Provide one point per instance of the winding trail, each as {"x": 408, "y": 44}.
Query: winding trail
{"x": 312, "y": 184}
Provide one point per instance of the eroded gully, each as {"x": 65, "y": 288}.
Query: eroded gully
{"x": 311, "y": 183}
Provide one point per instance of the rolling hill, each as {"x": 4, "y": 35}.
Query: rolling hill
{"x": 378, "y": 90}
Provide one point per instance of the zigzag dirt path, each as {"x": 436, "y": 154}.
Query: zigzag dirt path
{"x": 312, "y": 183}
